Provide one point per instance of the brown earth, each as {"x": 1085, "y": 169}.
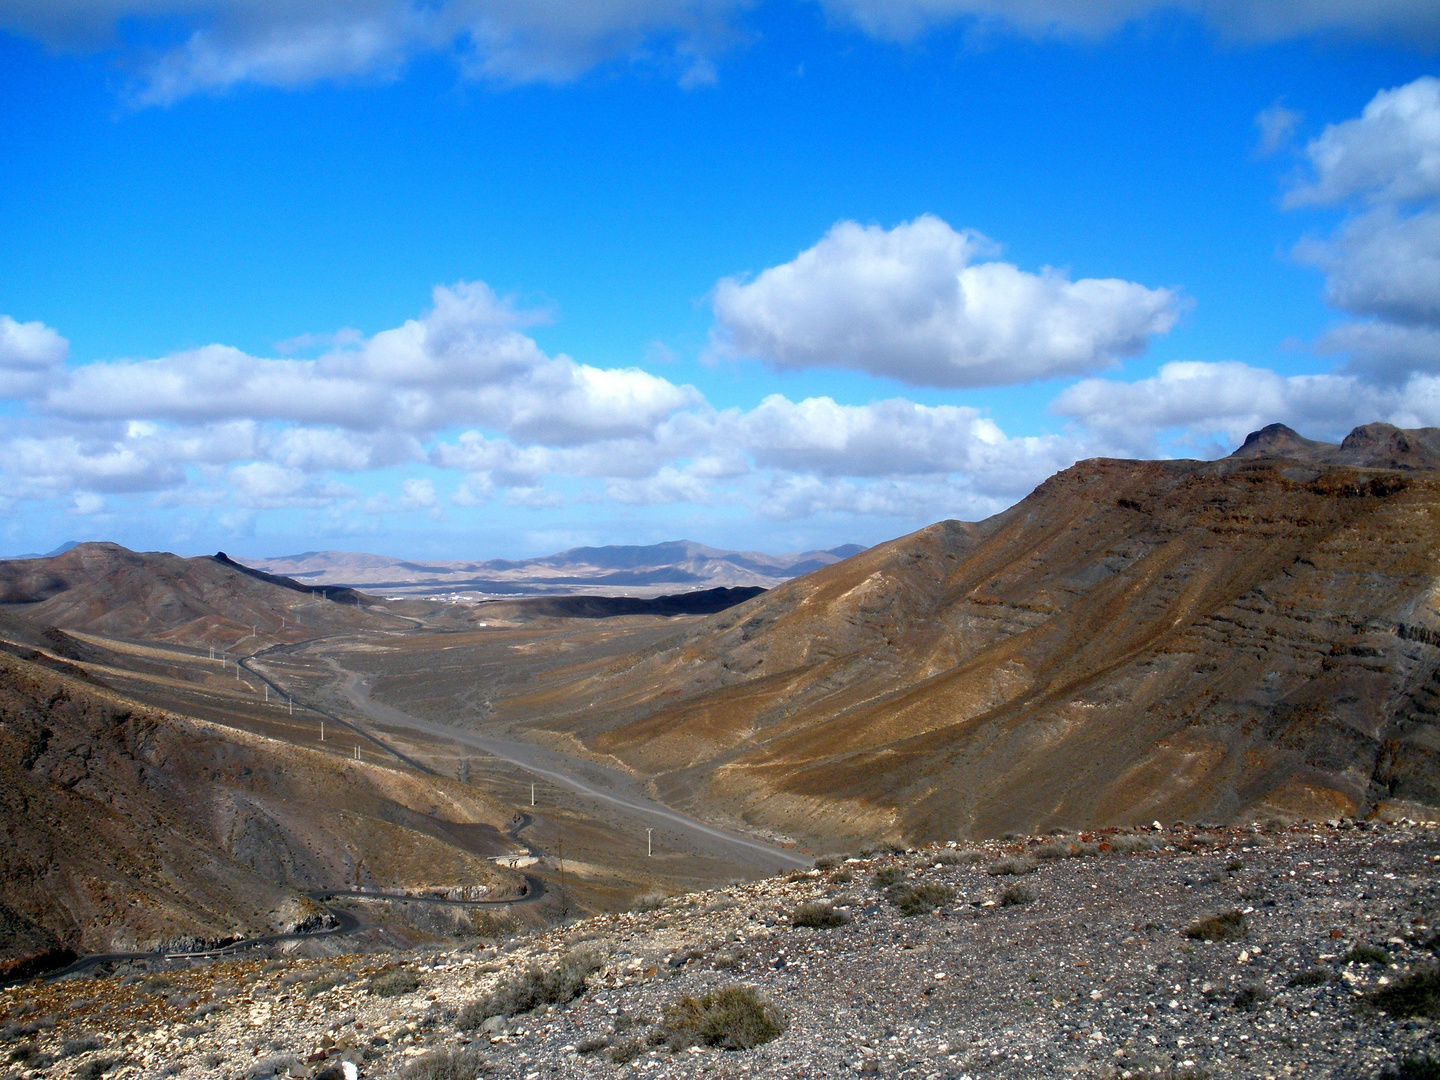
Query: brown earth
{"x": 1252, "y": 638}
{"x": 209, "y": 601}
{"x": 126, "y": 827}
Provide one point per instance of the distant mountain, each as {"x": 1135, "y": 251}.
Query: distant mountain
{"x": 623, "y": 570}
{"x": 1256, "y": 638}
{"x": 108, "y": 589}
{"x": 61, "y": 550}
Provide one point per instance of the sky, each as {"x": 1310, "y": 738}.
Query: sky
{"x": 494, "y": 278}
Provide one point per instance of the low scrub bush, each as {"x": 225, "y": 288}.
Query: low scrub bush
{"x": 1416, "y": 994}
{"x": 1016, "y": 895}
{"x": 82, "y": 1045}
{"x": 731, "y": 1018}
{"x": 1315, "y": 976}
{"x": 649, "y": 902}
{"x": 1367, "y": 954}
{"x": 463, "y": 1064}
{"x": 1011, "y": 866}
{"x": 920, "y": 899}
{"x": 829, "y": 862}
{"x": 1250, "y": 996}
{"x": 1227, "y": 926}
{"x": 818, "y": 914}
{"x": 394, "y": 981}
{"x": 947, "y": 858}
{"x": 487, "y": 924}
{"x": 888, "y": 875}
{"x": 562, "y": 981}
{"x": 1129, "y": 845}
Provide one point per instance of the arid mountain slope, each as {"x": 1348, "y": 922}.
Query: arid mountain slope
{"x": 107, "y": 589}
{"x": 1253, "y": 637}
{"x": 122, "y": 826}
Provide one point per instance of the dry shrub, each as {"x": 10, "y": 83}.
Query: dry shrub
{"x": 1367, "y": 954}
{"x": 919, "y": 899}
{"x": 554, "y": 985}
{"x": 463, "y": 1064}
{"x": 819, "y": 914}
{"x": 732, "y": 1018}
{"x": 1416, "y": 994}
{"x": 1130, "y": 845}
{"x": 1016, "y": 895}
{"x": 888, "y": 875}
{"x": 1227, "y": 926}
{"x": 393, "y": 981}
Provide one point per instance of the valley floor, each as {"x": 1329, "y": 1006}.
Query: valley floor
{"x": 1097, "y": 966}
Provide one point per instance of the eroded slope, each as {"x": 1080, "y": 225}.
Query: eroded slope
{"x": 1225, "y": 640}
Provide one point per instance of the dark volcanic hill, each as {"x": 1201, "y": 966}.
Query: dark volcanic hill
{"x": 1257, "y": 637}
{"x": 107, "y": 589}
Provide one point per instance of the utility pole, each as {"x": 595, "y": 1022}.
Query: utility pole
{"x": 267, "y": 693}
{"x": 292, "y": 706}
{"x": 322, "y": 730}
{"x": 649, "y": 851}
{"x": 532, "y": 792}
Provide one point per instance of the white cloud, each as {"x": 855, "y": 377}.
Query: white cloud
{"x": 417, "y": 494}
{"x": 1277, "y": 126}
{"x": 31, "y": 357}
{"x": 1383, "y": 263}
{"x": 464, "y": 362}
{"x": 228, "y": 43}
{"x": 1390, "y": 153}
{"x": 1228, "y": 400}
{"x": 911, "y": 303}
{"x": 1415, "y": 21}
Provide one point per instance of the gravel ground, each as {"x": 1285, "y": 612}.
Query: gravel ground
{"x": 1092, "y": 969}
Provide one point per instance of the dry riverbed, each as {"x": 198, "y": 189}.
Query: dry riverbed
{"x": 1178, "y": 952}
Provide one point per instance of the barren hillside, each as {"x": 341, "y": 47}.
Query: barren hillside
{"x": 1252, "y": 637}
{"x": 127, "y": 827}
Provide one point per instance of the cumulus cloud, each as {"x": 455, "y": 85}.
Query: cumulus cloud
{"x": 464, "y": 362}
{"x": 31, "y": 357}
{"x": 1390, "y": 153}
{"x": 912, "y": 303}
{"x": 1383, "y": 262}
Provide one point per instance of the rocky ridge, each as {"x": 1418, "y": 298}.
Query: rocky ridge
{"x": 1090, "y": 955}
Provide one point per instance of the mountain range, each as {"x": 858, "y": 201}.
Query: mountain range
{"x": 615, "y": 570}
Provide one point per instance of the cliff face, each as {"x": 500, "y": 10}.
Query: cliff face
{"x": 1250, "y": 638}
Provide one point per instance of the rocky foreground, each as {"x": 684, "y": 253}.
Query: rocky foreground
{"x": 1185, "y": 951}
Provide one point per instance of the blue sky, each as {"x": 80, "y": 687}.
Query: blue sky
{"x": 770, "y": 275}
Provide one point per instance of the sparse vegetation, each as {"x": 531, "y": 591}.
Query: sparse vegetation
{"x": 1250, "y": 996}
{"x": 649, "y": 902}
{"x": 462, "y": 1064}
{"x": 555, "y": 985}
{"x": 947, "y": 858}
{"x": 829, "y": 862}
{"x": 626, "y": 1050}
{"x": 818, "y": 914}
{"x": 889, "y": 875}
{"x": 1416, "y": 994}
{"x": 271, "y": 1066}
{"x": 921, "y": 898}
{"x": 1315, "y": 976}
{"x": 319, "y": 985}
{"x": 1016, "y": 895}
{"x": 1131, "y": 844}
{"x": 1015, "y": 866}
{"x": 1226, "y": 926}
{"x": 393, "y": 981}
{"x": 731, "y": 1018}
{"x": 1367, "y": 954}
{"x": 82, "y": 1045}
{"x": 487, "y": 924}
